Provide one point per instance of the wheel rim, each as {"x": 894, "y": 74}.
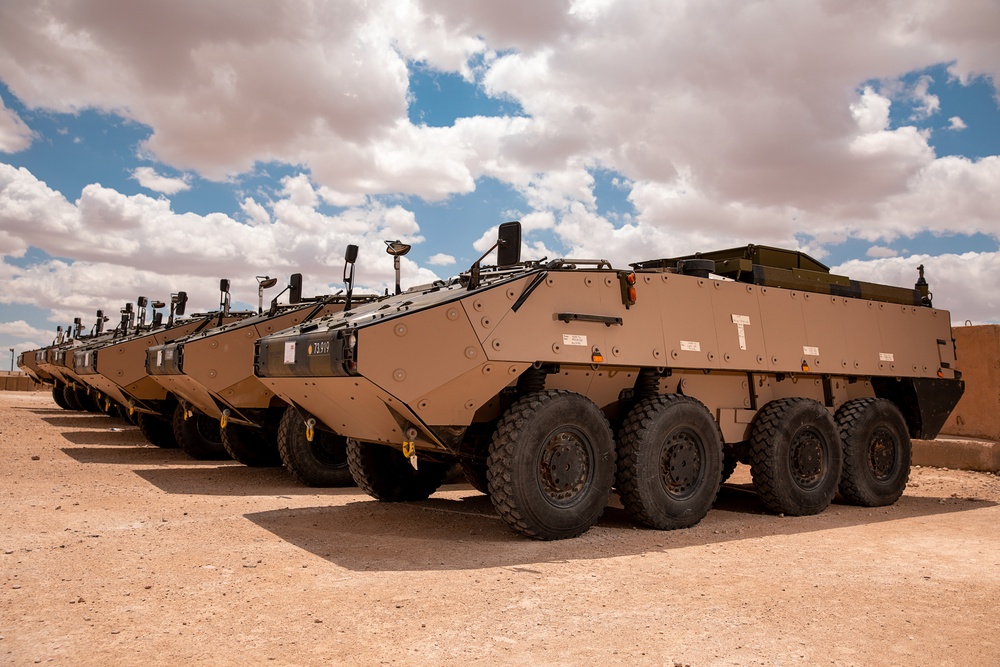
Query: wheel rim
{"x": 328, "y": 451}
{"x": 808, "y": 458}
{"x": 565, "y": 467}
{"x": 882, "y": 448}
{"x": 208, "y": 429}
{"x": 681, "y": 463}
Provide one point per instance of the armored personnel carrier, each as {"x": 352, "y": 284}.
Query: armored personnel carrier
{"x": 53, "y": 365}
{"x": 555, "y": 382}
{"x": 211, "y": 374}
{"x": 117, "y": 368}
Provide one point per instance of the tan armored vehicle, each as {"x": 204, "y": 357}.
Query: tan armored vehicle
{"x": 555, "y": 382}
{"x": 117, "y": 369}
{"x": 53, "y": 365}
{"x": 211, "y": 374}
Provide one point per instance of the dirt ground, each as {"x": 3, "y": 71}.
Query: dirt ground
{"x": 116, "y": 552}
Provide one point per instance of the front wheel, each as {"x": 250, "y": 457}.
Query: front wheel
{"x": 254, "y": 447}
{"x": 669, "y": 462}
{"x": 877, "y": 452}
{"x": 385, "y": 474}
{"x": 795, "y": 456}
{"x": 551, "y": 466}
{"x": 321, "y": 462}
{"x": 198, "y": 435}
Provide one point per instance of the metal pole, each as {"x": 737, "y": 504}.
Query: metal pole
{"x": 11, "y": 360}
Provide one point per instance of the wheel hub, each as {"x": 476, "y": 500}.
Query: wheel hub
{"x": 680, "y": 464}
{"x": 565, "y": 466}
{"x": 807, "y": 458}
{"x": 882, "y": 454}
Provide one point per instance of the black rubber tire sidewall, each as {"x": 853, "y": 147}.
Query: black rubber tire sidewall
{"x": 656, "y": 426}
{"x": 858, "y": 421}
{"x": 515, "y": 471}
{"x": 321, "y": 463}
{"x": 777, "y": 426}
{"x": 385, "y": 474}
{"x": 156, "y": 430}
{"x": 254, "y": 447}
{"x": 199, "y": 435}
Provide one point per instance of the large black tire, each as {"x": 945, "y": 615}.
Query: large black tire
{"x": 90, "y": 400}
{"x": 551, "y": 465}
{"x": 71, "y": 398}
{"x": 322, "y": 462}
{"x": 669, "y": 462}
{"x": 877, "y": 452}
{"x": 199, "y": 435}
{"x": 477, "y": 475}
{"x": 729, "y": 463}
{"x": 59, "y": 396}
{"x": 385, "y": 474}
{"x": 795, "y": 456}
{"x": 255, "y": 447}
{"x": 156, "y": 430}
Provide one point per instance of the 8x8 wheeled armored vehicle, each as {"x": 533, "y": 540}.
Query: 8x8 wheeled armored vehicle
{"x": 555, "y": 382}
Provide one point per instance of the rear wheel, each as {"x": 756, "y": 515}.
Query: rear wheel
{"x": 877, "y": 452}
{"x": 71, "y": 398}
{"x": 669, "y": 462}
{"x": 157, "y": 430}
{"x": 385, "y": 474}
{"x": 476, "y": 475}
{"x": 198, "y": 435}
{"x": 551, "y": 465}
{"x": 322, "y": 462}
{"x": 256, "y": 447}
{"x": 58, "y": 395}
{"x": 795, "y": 456}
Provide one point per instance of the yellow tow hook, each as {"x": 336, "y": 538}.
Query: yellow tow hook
{"x": 107, "y": 404}
{"x": 410, "y": 452}
{"x": 310, "y": 429}
{"x": 131, "y": 407}
{"x": 225, "y": 418}
{"x": 188, "y": 414}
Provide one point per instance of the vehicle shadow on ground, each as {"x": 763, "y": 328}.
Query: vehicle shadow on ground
{"x": 233, "y": 479}
{"x": 135, "y": 453}
{"x": 84, "y": 420}
{"x": 108, "y": 435}
{"x": 372, "y": 536}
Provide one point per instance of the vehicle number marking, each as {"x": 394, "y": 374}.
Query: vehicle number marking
{"x": 691, "y": 345}
{"x": 319, "y": 347}
{"x": 886, "y": 356}
{"x": 574, "y": 339}
{"x": 159, "y": 357}
{"x": 290, "y": 352}
{"x": 810, "y": 351}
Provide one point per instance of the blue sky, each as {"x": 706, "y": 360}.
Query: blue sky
{"x": 245, "y": 146}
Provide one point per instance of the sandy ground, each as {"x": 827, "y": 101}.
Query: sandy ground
{"x": 116, "y": 552}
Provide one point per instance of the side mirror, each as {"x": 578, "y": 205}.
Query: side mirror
{"x": 350, "y": 257}
{"x": 158, "y": 304}
{"x": 295, "y": 288}
{"x": 142, "y": 302}
{"x": 224, "y": 285}
{"x": 182, "y": 299}
{"x": 509, "y": 244}
{"x": 157, "y": 319}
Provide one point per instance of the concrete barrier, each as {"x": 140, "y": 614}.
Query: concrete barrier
{"x": 18, "y": 382}
{"x": 958, "y": 454}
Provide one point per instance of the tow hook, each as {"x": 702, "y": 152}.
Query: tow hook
{"x": 310, "y": 429}
{"x": 410, "y": 452}
{"x": 225, "y": 418}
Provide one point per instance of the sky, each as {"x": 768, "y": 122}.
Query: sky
{"x": 150, "y": 147}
